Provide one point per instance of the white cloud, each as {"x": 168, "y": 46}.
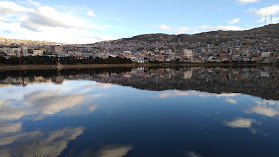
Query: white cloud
{"x": 55, "y": 104}
{"x": 10, "y": 127}
{"x": 181, "y": 30}
{"x": 3, "y": 19}
{"x": 49, "y": 17}
{"x": 205, "y": 28}
{"x": 104, "y": 85}
{"x": 47, "y": 144}
{"x": 234, "y": 21}
{"x": 90, "y": 13}
{"x": 175, "y": 93}
{"x": 231, "y": 101}
{"x": 267, "y": 11}
{"x": 34, "y": 3}
{"x": 261, "y": 20}
{"x": 114, "y": 151}
{"x": 174, "y": 29}
{"x": 240, "y": 123}
{"x": 263, "y": 111}
{"x": 3, "y": 103}
{"x": 274, "y": 20}
{"x": 8, "y": 8}
{"x": 47, "y": 24}
{"x": 42, "y": 103}
{"x": 220, "y": 27}
{"x": 63, "y": 35}
{"x": 165, "y": 27}
{"x": 6, "y": 140}
{"x": 247, "y": 1}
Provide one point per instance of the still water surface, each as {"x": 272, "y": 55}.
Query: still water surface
{"x": 192, "y": 112}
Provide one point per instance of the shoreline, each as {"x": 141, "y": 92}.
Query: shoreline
{"x": 132, "y": 65}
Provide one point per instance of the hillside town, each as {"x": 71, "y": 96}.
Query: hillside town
{"x": 200, "y": 48}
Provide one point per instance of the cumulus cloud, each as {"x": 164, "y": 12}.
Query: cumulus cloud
{"x": 12, "y": 113}
{"x": 165, "y": 27}
{"x": 47, "y": 144}
{"x": 3, "y": 19}
{"x": 274, "y": 20}
{"x": 247, "y": 1}
{"x": 205, "y": 28}
{"x": 9, "y": 139}
{"x": 46, "y": 23}
{"x": 69, "y": 35}
{"x": 34, "y": 3}
{"x": 10, "y": 127}
{"x": 267, "y": 11}
{"x": 181, "y": 30}
{"x": 55, "y": 104}
{"x": 114, "y": 151}
{"x": 174, "y": 29}
{"x": 104, "y": 85}
{"x": 8, "y": 8}
{"x": 233, "y": 101}
{"x": 3, "y": 103}
{"x": 220, "y": 27}
{"x": 42, "y": 100}
{"x": 49, "y": 17}
{"x": 240, "y": 123}
{"x": 90, "y": 13}
{"x": 43, "y": 103}
{"x": 234, "y": 21}
{"x": 175, "y": 93}
{"x": 263, "y": 111}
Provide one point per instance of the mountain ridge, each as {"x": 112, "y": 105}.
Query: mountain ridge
{"x": 270, "y": 31}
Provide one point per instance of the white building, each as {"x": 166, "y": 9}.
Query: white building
{"x": 38, "y": 53}
{"x": 265, "y": 54}
{"x": 188, "y": 53}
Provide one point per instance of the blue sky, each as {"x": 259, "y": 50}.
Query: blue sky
{"x": 84, "y": 21}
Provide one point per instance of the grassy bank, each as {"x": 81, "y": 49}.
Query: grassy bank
{"x": 133, "y": 65}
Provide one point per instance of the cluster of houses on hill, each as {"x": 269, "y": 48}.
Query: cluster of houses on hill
{"x": 161, "y": 51}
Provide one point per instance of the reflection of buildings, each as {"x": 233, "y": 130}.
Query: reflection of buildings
{"x": 58, "y": 79}
{"x": 188, "y": 74}
{"x": 262, "y": 81}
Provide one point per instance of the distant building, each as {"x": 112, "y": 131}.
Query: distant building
{"x": 56, "y": 49}
{"x": 188, "y": 74}
{"x": 188, "y": 54}
{"x": 265, "y": 54}
{"x": 38, "y": 53}
{"x": 24, "y": 51}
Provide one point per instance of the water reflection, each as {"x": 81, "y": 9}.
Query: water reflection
{"x": 181, "y": 111}
{"x": 241, "y": 123}
{"x": 258, "y": 81}
{"x": 50, "y": 144}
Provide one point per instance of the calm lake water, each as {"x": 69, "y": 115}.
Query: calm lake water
{"x": 144, "y": 112}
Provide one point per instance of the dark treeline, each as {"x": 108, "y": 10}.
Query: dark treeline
{"x": 44, "y": 60}
{"x": 64, "y": 72}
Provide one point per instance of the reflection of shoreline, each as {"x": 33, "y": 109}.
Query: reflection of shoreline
{"x": 261, "y": 81}
{"x": 84, "y": 66}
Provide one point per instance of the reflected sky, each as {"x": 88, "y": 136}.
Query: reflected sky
{"x": 90, "y": 118}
